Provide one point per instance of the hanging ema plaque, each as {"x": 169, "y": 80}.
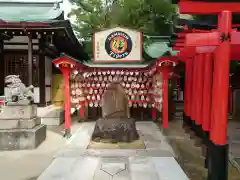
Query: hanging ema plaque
{"x": 118, "y": 45}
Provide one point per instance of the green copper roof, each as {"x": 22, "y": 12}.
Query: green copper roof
{"x": 156, "y": 49}
{"x": 14, "y": 11}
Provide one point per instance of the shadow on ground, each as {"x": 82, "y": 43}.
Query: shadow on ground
{"x": 189, "y": 156}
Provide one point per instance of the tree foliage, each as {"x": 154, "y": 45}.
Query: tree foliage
{"x": 153, "y": 17}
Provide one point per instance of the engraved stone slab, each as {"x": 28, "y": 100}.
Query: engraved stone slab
{"x": 19, "y": 112}
{"x": 113, "y": 168}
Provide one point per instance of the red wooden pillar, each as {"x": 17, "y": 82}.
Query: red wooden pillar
{"x": 165, "y": 72}
{"x": 165, "y": 66}
{"x": 186, "y": 92}
{"x": 207, "y": 87}
{"x": 193, "y": 90}
{"x": 66, "y": 75}
{"x": 186, "y": 115}
{"x": 221, "y": 84}
{"x": 154, "y": 113}
{"x": 218, "y": 158}
{"x": 189, "y": 86}
{"x": 199, "y": 88}
{"x": 66, "y": 65}
{"x": 82, "y": 110}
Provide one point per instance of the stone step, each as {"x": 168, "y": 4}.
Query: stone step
{"x": 51, "y": 115}
{"x": 19, "y": 123}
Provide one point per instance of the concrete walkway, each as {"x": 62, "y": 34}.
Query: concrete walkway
{"x": 29, "y": 164}
{"x": 76, "y": 162}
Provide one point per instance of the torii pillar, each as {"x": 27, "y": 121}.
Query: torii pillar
{"x": 165, "y": 66}
{"x": 66, "y": 65}
{"x": 186, "y": 55}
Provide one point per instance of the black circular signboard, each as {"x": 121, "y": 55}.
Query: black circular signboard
{"x": 118, "y": 44}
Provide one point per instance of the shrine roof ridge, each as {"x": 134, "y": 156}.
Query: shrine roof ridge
{"x": 17, "y": 11}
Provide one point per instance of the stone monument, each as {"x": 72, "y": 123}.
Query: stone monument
{"x": 115, "y": 125}
{"x": 20, "y": 128}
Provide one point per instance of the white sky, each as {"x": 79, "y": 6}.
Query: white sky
{"x": 66, "y": 6}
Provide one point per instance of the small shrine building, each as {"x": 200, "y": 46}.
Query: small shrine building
{"x": 119, "y": 57}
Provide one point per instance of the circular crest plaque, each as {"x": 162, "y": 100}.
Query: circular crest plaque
{"x": 118, "y": 45}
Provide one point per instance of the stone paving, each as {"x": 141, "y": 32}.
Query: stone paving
{"x": 76, "y": 162}
{"x": 234, "y": 143}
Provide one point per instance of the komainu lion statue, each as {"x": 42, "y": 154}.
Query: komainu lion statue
{"x": 18, "y": 93}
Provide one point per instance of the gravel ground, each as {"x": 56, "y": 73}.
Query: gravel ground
{"x": 189, "y": 156}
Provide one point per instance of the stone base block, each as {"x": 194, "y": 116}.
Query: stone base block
{"x": 19, "y": 123}
{"x": 52, "y": 121}
{"x": 51, "y": 115}
{"x": 19, "y": 112}
{"x": 19, "y": 139}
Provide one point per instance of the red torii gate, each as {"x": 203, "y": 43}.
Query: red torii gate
{"x": 217, "y": 45}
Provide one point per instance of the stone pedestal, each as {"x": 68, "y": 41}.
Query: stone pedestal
{"x": 20, "y": 128}
{"x": 51, "y": 115}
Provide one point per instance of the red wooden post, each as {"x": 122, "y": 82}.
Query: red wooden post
{"x": 67, "y": 105}
{"x": 221, "y": 83}
{"x": 207, "y": 87}
{"x": 218, "y": 158}
{"x": 165, "y": 65}
{"x": 193, "y": 90}
{"x": 189, "y": 86}
{"x": 154, "y": 113}
{"x": 186, "y": 92}
{"x": 82, "y": 110}
{"x": 199, "y": 88}
{"x": 165, "y": 72}
{"x": 186, "y": 114}
{"x": 66, "y": 65}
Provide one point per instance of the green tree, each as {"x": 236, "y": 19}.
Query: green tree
{"x": 152, "y": 17}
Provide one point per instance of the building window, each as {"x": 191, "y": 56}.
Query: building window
{"x": 17, "y": 64}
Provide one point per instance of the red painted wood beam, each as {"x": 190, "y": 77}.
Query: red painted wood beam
{"x": 190, "y": 7}
{"x": 235, "y": 38}
{"x": 180, "y": 40}
{"x": 203, "y": 39}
